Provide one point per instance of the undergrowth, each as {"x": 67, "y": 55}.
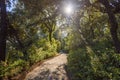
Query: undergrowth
{"x": 98, "y": 62}
{"x": 16, "y": 63}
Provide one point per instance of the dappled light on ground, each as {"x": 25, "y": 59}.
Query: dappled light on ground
{"x": 53, "y": 69}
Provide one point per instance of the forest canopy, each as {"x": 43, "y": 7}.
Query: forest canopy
{"x": 88, "y": 30}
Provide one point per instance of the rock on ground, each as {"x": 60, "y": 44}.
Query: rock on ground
{"x": 53, "y": 69}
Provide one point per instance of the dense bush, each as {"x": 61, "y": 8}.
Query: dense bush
{"x": 94, "y": 64}
{"x": 16, "y": 62}
{"x": 40, "y": 55}
{"x": 12, "y": 69}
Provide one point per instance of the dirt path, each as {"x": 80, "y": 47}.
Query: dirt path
{"x": 53, "y": 69}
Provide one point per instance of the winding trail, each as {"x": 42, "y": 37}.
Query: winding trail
{"x": 53, "y": 69}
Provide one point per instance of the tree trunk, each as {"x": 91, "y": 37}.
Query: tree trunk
{"x": 92, "y": 32}
{"x": 3, "y": 30}
{"x": 113, "y": 24}
{"x": 50, "y": 36}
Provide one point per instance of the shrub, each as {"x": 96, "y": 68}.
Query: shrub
{"x": 12, "y": 69}
{"x": 16, "y": 62}
{"x": 86, "y": 64}
{"x": 40, "y": 55}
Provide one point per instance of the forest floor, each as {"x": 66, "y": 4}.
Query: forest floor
{"x": 53, "y": 69}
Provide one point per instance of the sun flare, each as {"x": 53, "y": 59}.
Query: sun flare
{"x": 69, "y": 9}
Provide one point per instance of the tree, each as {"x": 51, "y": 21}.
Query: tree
{"x": 111, "y": 8}
{"x": 113, "y": 24}
{"x": 49, "y": 24}
{"x": 3, "y": 29}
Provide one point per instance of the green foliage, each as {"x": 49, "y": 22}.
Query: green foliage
{"x": 67, "y": 43}
{"x": 13, "y": 55}
{"x": 15, "y": 62}
{"x": 41, "y": 50}
{"x": 50, "y": 46}
{"x": 34, "y": 21}
{"x": 94, "y": 64}
{"x": 78, "y": 64}
{"x": 12, "y": 69}
{"x": 40, "y": 55}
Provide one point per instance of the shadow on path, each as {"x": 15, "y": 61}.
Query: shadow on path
{"x": 53, "y": 69}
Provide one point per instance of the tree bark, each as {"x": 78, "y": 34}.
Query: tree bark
{"x": 113, "y": 25}
{"x": 50, "y": 36}
{"x": 3, "y": 30}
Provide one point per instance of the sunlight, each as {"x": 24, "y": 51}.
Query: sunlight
{"x": 68, "y": 9}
